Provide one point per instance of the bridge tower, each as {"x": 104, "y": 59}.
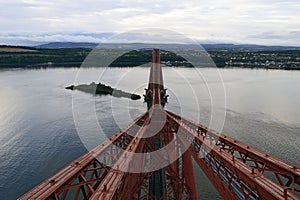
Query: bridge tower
{"x": 236, "y": 170}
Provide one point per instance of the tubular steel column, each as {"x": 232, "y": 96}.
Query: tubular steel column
{"x": 155, "y": 93}
{"x": 189, "y": 175}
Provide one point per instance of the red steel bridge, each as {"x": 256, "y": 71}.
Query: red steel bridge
{"x": 235, "y": 169}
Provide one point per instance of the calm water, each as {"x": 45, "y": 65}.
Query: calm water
{"x": 38, "y": 134}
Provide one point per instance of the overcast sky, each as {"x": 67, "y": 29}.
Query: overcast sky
{"x": 270, "y": 22}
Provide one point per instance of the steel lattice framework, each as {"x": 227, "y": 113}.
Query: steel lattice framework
{"x": 237, "y": 170}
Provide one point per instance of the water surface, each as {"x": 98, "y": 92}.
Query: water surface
{"x": 38, "y": 134}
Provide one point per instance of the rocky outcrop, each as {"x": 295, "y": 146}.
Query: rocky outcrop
{"x": 102, "y": 89}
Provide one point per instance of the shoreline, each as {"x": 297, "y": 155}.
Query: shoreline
{"x": 77, "y": 65}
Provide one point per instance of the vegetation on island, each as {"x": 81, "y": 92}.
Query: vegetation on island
{"x": 102, "y": 89}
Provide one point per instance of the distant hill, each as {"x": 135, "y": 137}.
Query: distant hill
{"x": 247, "y": 47}
{"x": 209, "y": 47}
{"x": 57, "y": 45}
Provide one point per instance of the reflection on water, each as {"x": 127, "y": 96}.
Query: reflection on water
{"x": 38, "y": 135}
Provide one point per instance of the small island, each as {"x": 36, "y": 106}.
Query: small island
{"x": 102, "y": 89}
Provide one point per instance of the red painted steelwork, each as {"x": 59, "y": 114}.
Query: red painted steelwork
{"x": 236, "y": 163}
{"x": 236, "y": 170}
{"x": 87, "y": 172}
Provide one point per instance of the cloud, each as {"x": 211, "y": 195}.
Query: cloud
{"x": 218, "y": 20}
{"x": 36, "y": 39}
